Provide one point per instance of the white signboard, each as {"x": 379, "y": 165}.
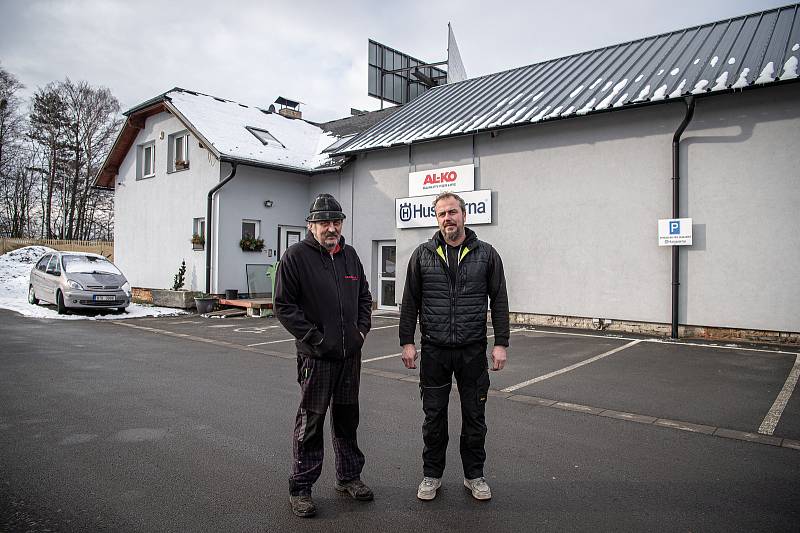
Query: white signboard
{"x": 456, "y": 179}
{"x": 417, "y": 212}
{"x": 675, "y": 232}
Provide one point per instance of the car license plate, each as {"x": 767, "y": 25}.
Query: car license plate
{"x": 99, "y": 298}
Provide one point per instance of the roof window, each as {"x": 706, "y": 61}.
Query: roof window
{"x": 266, "y": 138}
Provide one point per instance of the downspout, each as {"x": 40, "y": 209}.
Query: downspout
{"x": 676, "y": 205}
{"x": 209, "y": 225}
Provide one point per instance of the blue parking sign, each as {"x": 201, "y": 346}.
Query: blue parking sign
{"x": 674, "y": 227}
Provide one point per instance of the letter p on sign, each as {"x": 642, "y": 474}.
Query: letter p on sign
{"x": 674, "y": 227}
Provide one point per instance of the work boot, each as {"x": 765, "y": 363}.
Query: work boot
{"x": 479, "y": 488}
{"x": 355, "y": 488}
{"x": 302, "y": 505}
{"x": 427, "y": 489}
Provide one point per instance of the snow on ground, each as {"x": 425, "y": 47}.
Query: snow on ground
{"x": 15, "y": 270}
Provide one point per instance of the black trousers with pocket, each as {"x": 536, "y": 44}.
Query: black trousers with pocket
{"x": 437, "y": 366}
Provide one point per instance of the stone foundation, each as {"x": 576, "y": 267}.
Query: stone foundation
{"x": 657, "y": 329}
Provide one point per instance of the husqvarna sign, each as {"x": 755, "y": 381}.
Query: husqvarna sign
{"x": 456, "y": 179}
{"x": 417, "y": 212}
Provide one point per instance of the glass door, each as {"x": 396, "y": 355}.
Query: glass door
{"x": 387, "y": 262}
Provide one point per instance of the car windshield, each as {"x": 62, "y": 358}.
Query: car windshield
{"x": 87, "y": 264}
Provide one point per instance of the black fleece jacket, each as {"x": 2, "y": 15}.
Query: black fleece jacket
{"x": 323, "y": 300}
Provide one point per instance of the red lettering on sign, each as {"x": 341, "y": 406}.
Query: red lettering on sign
{"x": 443, "y": 177}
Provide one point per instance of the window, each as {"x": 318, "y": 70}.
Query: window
{"x": 266, "y": 138}
{"x": 178, "y": 151}
{"x": 251, "y": 229}
{"x": 146, "y": 161}
{"x": 199, "y": 227}
{"x": 42, "y": 264}
{"x": 53, "y": 267}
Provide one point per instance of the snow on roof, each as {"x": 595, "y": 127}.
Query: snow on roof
{"x": 224, "y": 124}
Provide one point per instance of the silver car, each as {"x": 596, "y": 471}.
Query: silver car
{"x": 78, "y": 280}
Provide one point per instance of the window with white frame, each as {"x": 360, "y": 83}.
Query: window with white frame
{"x": 199, "y": 227}
{"x": 146, "y": 160}
{"x": 178, "y": 151}
{"x": 251, "y": 229}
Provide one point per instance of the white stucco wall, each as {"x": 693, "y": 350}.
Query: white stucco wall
{"x": 153, "y": 216}
{"x": 576, "y": 205}
{"x": 243, "y": 198}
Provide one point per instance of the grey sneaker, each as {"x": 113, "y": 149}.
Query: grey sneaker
{"x": 302, "y": 505}
{"x": 356, "y": 489}
{"x": 479, "y": 488}
{"x": 428, "y": 487}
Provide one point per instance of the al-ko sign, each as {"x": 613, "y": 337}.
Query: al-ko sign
{"x": 456, "y": 179}
{"x": 417, "y": 212}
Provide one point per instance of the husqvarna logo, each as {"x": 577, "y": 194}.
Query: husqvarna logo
{"x": 405, "y": 212}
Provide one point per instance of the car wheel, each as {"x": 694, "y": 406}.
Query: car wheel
{"x": 32, "y": 299}
{"x": 62, "y": 309}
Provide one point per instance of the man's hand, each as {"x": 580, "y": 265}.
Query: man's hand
{"x": 498, "y": 357}
{"x": 409, "y": 355}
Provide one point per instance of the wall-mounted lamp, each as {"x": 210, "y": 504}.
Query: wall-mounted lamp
{"x": 267, "y": 203}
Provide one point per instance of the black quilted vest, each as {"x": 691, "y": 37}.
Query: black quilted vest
{"x": 454, "y": 316}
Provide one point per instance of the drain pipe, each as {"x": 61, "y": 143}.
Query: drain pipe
{"x": 676, "y": 205}
{"x": 209, "y": 225}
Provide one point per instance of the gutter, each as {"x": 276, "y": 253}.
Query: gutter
{"x": 676, "y": 205}
{"x": 209, "y": 205}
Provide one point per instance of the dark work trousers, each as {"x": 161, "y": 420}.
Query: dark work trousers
{"x": 437, "y": 366}
{"x": 325, "y": 382}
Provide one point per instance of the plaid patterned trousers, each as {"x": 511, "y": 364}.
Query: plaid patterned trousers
{"x": 326, "y": 382}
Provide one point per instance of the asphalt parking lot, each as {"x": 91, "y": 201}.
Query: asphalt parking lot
{"x": 184, "y": 423}
{"x": 723, "y": 389}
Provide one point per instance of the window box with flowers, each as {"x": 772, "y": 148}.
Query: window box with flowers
{"x": 198, "y": 242}
{"x": 251, "y": 244}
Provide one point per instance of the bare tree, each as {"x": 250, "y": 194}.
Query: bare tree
{"x": 15, "y": 181}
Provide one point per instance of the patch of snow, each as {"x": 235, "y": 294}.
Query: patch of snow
{"x": 643, "y": 93}
{"x": 606, "y": 86}
{"x": 621, "y": 100}
{"x": 742, "y": 81}
{"x": 569, "y": 111}
{"x": 731, "y": 61}
{"x": 540, "y": 114}
{"x": 700, "y": 87}
{"x": 536, "y": 98}
{"x": 714, "y": 61}
{"x": 607, "y": 100}
{"x": 766, "y": 75}
{"x": 696, "y": 61}
{"x": 660, "y": 72}
{"x": 517, "y": 115}
{"x": 596, "y": 83}
{"x": 679, "y": 91}
{"x": 15, "y": 271}
{"x": 660, "y": 93}
{"x": 722, "y": 82}
{"x": 796, "y": 47}
{"x": 556, "y": 112}
{"x": 576, "y": 92}
{"x": 674, "y": 71}
{"x": 515, "y": 98}
{"x": 638, "y": 78}
{"x": 530, "y": 113}
{"x": 790, "y": 68}
{"x": 501, "y": 102}
{"x": 586, "y": 108}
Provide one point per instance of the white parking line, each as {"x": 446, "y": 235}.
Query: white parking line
{"x": 775, "y": 412}
{"x": 382, "y": 357}
{"x": 384, "y": 327}
{"x": 225, "y": 326}
{"x": 271, "y": 342}
{"x": 512, "y": 388}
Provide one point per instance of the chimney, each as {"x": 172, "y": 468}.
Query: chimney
{"x": 289, "y": 108}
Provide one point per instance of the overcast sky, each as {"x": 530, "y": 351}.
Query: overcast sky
{"x": 312, "y": 51}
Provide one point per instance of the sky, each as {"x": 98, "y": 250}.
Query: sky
{"x": 311, "y": 51}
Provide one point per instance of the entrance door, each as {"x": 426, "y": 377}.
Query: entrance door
{"x": 387, "y": 262}
{"x": 287, "y": 236}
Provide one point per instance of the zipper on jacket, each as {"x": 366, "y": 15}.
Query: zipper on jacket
{"x": 341, "y": 311}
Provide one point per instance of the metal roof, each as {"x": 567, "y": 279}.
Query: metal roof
{"x": 751, "y": 50}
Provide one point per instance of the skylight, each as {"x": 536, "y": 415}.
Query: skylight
{"x": 266, "y": 138}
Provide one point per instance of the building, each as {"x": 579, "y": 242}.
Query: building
{"x": 575, "y": 160}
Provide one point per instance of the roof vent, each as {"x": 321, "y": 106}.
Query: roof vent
{"x": 289, "y": 108}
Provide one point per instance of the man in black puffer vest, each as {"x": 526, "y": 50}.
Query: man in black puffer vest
{"x": 323, "y": 300}
{"x": 448, "y": 281}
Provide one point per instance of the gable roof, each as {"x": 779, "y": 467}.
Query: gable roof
{"x": 748, "y": 51}
{"x": 229, "y": 130}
